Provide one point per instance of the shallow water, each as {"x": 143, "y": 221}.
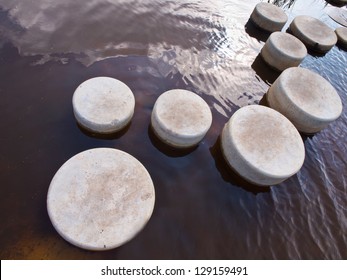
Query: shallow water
{"x": 203, "y": 210}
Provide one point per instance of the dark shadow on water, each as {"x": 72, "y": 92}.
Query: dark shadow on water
{"x": 256, "y": 32}
{"x": 341, "y": 47}
{"x": 165, "y": 148}
{"x": 264, "y": 71}
{"x": 335, "y": 3}
{"x": 109, "y": 136}
{"x": 263, "y": 101}
{"x": 229, "y": 175}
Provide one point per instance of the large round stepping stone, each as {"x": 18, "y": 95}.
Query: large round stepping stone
{"x": 181, "y": 118}
{"x": 341, "y": 33}
{"x": 269, "y": 17}
{"x": 103, "y": 105}
{"x": 282, "y": 50}
{"x": 262, "y": 145}
{"x": 315, "y": 34}
{"x": 100, "y": 199}
{"x": 308, "y": 100}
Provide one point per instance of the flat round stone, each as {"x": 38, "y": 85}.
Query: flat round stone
{"x": 262, "y": 145}
{"x": 315, "y": 34}
{"x": 103, "y": 105}
{"x": 181, "y": 118}
{"x": 100, "y": 199}
{"x": 308, "y": 100}
{"x": 268, "y": 17}
{"x": 341, "y": 33}
{"x": 282, "y": 50}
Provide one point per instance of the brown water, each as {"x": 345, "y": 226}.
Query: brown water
{"x": 203, "y": 210}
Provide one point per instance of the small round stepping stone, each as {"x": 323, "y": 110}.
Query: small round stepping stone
{"x": 262, "y": 145}
{"x": 282, "y": 50}
{"x": 181, "y": 118}
{"x": 341, "y": 33}
{"x": 100, "y": 199}
{"x": 269, "y": 17}
{"x": 103, "y": 105}
{"x": 315, "y": 34}
{"x": 308, "y": 100}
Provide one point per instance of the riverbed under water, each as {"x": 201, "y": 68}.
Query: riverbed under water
{"x": 202, "y": 210}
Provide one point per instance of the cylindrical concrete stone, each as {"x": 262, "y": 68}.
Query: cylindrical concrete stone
{"x": 282, "y": 50}
{"x": 341, "y": 33}
{"x": 181, "y": 118}
{"x": 308, "y": 100}
{"x": 103, "y": 105}
{"x": 268, "y": 17}
{"x": 100, "y": 199}
{"x": 262, "y": 146}
{"x": 315, "y": 34}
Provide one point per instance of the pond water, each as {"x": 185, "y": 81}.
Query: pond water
{"x": 202, "y": 210}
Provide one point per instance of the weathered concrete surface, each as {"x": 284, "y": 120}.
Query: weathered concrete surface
{"x": 308, "y": 100}
{"x": 268, "y": 17}
{"x": 181, "y": 118}
{"x": 100, "y": 199}
{"x": 103, "y": 105}
{"x": 315, "y": 34}
{"x": 262, "y": 145}
{"x": 282, "y": 50}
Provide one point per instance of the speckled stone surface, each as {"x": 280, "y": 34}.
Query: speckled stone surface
{"x": 181, "y": 118}
{"x": 341, "y": 33}
{"x": 268, "y": 17}
{"x": 308, "y": 100}
{"x": 282, "y": 50}
{"x": 103, "y": 105}
{"x": 100, "y": 199}
{"x": 262, "y": 146}
{"x": 315, "y": 34}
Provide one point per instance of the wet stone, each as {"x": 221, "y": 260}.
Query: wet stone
{"x": 308, "y": 100}
{"x": 268, "y": 17}
{"x": 315, "y": 34}
{"x": 100, "y": 199}
{"x": 103, "y": 105}
{"x": 283, "y": 50}
{"x": 181, "y": 118}
{"x": 262, "y": 145}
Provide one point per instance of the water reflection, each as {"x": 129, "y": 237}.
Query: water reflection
{"x": 283, "y": 3}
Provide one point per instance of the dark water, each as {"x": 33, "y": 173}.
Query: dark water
{"x": 202, "y": 211}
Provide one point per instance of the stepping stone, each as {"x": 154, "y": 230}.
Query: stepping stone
{"x": 308, "y": 100}
{"x": 181, "y": 118}
{"x": 103, "y": 105}
{"x": 341, "y": 33}
{"x": 268, "y": 17}
{"x": 262, "y": 145}
{"x": 100, "y": 199}
{"x": 315, "y": 34}
{"x": 282, "y": 50}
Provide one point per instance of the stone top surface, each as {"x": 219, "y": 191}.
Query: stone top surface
{"x": 315, "y": 30}
{"x": 267, "y": 140}
{"x": 103, "y": 102}
{"x": 183, "y": 112}
{"x": 100, "y": 199}
{"x": 311, "y": 93}
{"x": 288, "y": 44}
{"x": 271, "y": 12}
